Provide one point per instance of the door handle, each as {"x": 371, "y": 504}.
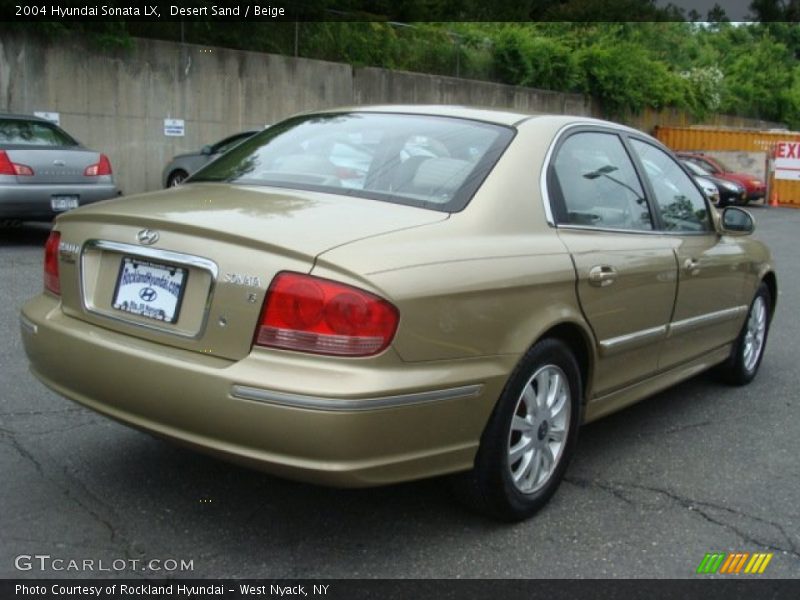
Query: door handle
{"x": 692, "y": 265}
{"x": 602, "y": 275}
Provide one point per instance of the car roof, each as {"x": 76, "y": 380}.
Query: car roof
{"x": 24, "y": 117}
{"x": 499, "y": 117}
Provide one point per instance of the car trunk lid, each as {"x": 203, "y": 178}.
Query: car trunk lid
{"x": 204, "y": 255}
{"x": 54, "y": 165}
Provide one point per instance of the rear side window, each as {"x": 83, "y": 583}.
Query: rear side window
{"x": 681, "y": 204}
{"x": 33, "y": 133}
{"x": 418, "y": 160}
{"x": 598, "y": 184}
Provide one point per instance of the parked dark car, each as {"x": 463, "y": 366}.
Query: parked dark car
{"x": 183, "y": 165}
{"x": 755, "y": 187}
{"x": 45, "y": 171}
{"x": 729, "y": 192}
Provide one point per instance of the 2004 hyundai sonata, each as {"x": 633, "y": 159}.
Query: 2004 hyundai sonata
{"x": 366, "y": 296}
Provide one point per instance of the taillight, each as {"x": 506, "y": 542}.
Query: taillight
{"x": 103, "y": 167}
{"x": 10, "y": 168}
{"x": 317, "y": 315}
{"x": 52, "y": 283}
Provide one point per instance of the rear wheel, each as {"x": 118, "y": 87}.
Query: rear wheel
{"x": 176, "y": 178}
{"x": 742, "y": 366}
{"x": 530, "y": 436}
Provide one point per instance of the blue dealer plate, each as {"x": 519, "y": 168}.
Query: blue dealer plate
{"x": 149, "y": 289}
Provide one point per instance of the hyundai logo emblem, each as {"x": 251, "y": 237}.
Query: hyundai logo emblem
{"x": 59, "y": 162}
{"x": 148, "y": 294}
{"x": 147, "y": 237}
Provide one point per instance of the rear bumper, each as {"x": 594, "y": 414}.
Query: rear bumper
{"x": 32, "y": 201}
{"x": 336, "y": 422}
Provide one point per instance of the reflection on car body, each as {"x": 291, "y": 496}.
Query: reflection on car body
{"x": 728, "y": 192}
{"x": 755, "y": 188}
{"x": 458, "y": 306}
{"x": 183, "y": 165}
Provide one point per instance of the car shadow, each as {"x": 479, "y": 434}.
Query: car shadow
{"x": 158, "y": 499}
{"x": 26, "y": 234}
{"x": 201, "y": 489}
{"x": 679, "y": 407}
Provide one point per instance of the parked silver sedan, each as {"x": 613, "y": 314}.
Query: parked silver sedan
{"x": 45, "y": 171}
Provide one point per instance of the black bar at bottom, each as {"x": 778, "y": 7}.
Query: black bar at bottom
{"x": 416, "y": 589}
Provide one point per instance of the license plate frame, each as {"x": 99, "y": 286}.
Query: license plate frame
{"x": 64, "y": 202}
{"x": 156, "y": 279}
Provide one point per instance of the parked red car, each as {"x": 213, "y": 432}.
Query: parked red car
{"x": 755, "y": 187}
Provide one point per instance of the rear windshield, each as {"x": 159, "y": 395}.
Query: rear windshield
{"x": 432, "y": 162}
{"x": 33, "y": 133}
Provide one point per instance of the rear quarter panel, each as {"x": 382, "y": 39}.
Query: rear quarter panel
{"x": 490, "y": 280}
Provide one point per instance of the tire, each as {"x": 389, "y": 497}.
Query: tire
{"x": 176, "y": 178}
{"x": 513, "y": 477}
{"x": 748, "y": 350}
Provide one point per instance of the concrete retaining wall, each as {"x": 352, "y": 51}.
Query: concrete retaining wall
{"x": 116, "y": 102}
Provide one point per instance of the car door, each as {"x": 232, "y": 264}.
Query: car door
{"x": 626, "y": 271}
{"x": 709, "y": 306}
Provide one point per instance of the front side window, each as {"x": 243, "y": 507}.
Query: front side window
{"x": 418, "y": 160}
{"x": 681, "y": 204}
{"x": 598, "y": 184}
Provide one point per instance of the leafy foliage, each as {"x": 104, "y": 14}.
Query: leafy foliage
{"x": 652, "y": 60}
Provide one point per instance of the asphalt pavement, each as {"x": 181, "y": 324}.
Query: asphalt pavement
{"x": 697, "y": 469}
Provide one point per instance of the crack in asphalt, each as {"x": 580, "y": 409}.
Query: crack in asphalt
{"x": 617, "y": 488}
{"x": 11, "y": 437}
{"x": 61, "y": 429}
{"x": 114, "y": 535}
{"x": 37, "y": 413}
{"x": 586, "y": 484}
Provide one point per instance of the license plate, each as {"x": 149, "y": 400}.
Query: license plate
{"x": 61, "y": 203}
{"x": 149, "y": 289}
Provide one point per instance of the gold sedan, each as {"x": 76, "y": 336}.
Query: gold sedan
{"x": 365, "y": 296}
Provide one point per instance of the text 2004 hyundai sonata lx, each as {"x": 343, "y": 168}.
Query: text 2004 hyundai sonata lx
{"x": 367, "y": 296}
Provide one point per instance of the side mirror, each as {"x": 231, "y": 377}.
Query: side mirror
{"x": 737, "y": 221}
{"x": 206, "y": 150}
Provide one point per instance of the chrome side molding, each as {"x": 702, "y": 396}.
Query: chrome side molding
{"x": 243, "y": 392}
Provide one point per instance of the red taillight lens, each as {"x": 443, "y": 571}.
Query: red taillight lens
{"x": 101, "y": 168}
{"x": 9, "y": 168}
{"x": 6, "y": 166}
{"x": 52, "y": 283}
{"x": 310, "y": 314}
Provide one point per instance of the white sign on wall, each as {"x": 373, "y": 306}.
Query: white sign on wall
{"x": 174, "y": 127}
{"x": 787, "y": 160}
{"x": 53, "y": 117}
